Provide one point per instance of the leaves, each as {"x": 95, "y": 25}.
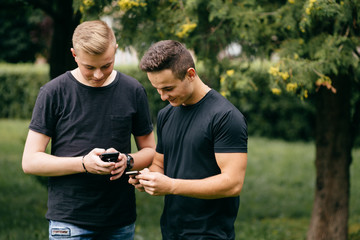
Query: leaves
{"x": 303, "y": 37}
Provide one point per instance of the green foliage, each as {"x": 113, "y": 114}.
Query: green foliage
{"x": 275, "y": 201}
{"x": 286, "y": 117}
{"x": 24, "y": 32}
{"x": 19, "y": 86}
{"x": 322, "y": 42}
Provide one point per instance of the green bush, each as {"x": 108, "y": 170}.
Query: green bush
{"x": 19, "y": 86}
{"x": 284, "y": 117}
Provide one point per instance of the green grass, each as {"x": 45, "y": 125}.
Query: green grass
{"x": 276, "y": 200}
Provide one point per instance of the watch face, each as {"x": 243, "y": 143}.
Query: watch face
{"x": 130, "y": 162}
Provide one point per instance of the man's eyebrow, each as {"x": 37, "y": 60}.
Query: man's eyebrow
{"x": 90, "y": 66}
{"x": 167, "y": 87}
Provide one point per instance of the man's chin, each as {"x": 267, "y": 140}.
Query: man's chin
{"x": 174, "y": 104}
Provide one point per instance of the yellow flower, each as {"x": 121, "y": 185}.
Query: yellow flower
{"x": 224, "y": 93}
{"x": 222, "y": 80}
{"x": 306, "y": 94}
{"x": 312, "y": 1}
{"x": 274, "y": 71}
{"x": 291, "y": 1}
{"x": 230, "y": 72}
{"x": 284, "y": 75}
{"x": 88, "y": 3}
{"x": 276, "y": 91}
{"x": 128, "y": 4}
{"x": 296, "y": 56}
{"x": 308, "y": 11}
{"x": 291, "y": 87}
{"x": 186, "y": 29}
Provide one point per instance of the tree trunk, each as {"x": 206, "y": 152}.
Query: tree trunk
{"x": 65, "y": 22}
{"x": 333, "y": 158}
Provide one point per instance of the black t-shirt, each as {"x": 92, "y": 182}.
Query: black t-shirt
{"x": 189, "y": 137}
{"x": 79, "y": 118}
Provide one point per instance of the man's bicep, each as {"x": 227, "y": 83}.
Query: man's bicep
{"x": 36, "y": 142}
{"x": 158, "y": 163}
{"x": 145, "y": 141}
{"x": 233, "y": 164}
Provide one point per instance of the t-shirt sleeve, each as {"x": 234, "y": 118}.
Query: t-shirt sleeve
{"x": 43, "y": 120}
{"x": 142, "y": 124}
{"x": 230, "y": 133}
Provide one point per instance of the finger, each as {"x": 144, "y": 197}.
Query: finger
{"x": 98, "y": 151}
{"x": 116, "y": 176}
{"x": 117, "y": 172}
{"x": 133, "y": 180}
{"x": 149, "y": 191}
{"x": 146, "y": 184}
{"x": 145, "y": 170}
{"x": 111, "y": 150}
{"x": 121, "y": 163}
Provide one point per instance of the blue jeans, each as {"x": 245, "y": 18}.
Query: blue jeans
{"x": 62, "y": 230}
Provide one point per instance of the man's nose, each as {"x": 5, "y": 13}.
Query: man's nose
{"x": 163, "y": 95}
{"x": 98, "y": 74}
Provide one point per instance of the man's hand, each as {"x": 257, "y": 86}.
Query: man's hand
{"x": 95, "y": 165}
{"x": 120, "y": 165}
{"x": 133, "y": 180}
{"x": 154, "y": 183}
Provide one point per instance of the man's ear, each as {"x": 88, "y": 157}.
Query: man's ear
{"x": 73, "y": 52}
{"x": 191, "y": 73}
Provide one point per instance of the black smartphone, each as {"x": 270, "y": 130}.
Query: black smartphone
{"x": 110, "y": 157}
{"x": 132, "y": 173}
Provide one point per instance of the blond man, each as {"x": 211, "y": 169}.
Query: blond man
{"x": 87, "y": 112}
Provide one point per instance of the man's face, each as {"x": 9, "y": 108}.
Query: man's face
{"x": 95, "y": 69}
{"x": 176, "y": 91}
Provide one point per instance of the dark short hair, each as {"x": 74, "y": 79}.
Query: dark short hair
{"x": 167, "y": 54}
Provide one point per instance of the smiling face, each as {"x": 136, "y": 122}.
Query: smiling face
{"x": 176, "y": 91}
{"x": 95, "y": 69}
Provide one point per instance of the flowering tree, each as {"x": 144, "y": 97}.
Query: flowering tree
{"x": 316, "y": 44}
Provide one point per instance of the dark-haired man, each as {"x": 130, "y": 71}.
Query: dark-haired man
{"x": 201, "y": 154}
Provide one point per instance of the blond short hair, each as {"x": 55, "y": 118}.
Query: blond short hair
{"x": 93, "y": 37}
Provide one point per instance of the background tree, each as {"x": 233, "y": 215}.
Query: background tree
{"x": 316, "y": 42}
{"x": 24, "y": 32}
{"x": 64, "y": 22}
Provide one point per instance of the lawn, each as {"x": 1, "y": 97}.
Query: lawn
{"x": 276, "y": 200}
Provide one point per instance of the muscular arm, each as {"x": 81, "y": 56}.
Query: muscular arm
{"x": 226, "y": 184}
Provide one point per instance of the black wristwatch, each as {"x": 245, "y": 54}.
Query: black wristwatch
{"x": 129, "y": 162}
